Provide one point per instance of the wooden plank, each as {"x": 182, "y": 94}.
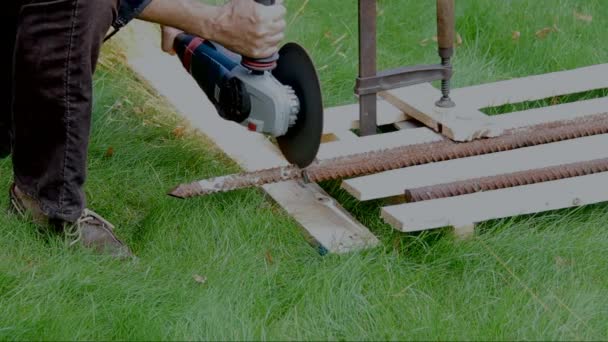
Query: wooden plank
{"x": 340, "y": 118}
{"x": 533, "y": 87}
{"x": 328, "y": 224}
{"x": 343, "y": 118}
{"x": 393, "y": 183}
{"x": 466, "y": 122}
{"x": 323, "y": 218}
{"x": 482, "y": 206}
{"x": 377, "y": 142}
{"x": 566, "y": 111}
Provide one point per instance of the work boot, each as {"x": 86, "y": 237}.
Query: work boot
{"x": 90, "y": 230}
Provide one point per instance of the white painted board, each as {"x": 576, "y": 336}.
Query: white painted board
{"x": 483, "y": 206}
{"x": 394, "y": 183}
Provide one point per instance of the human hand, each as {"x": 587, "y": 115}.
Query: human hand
{"x": 167, "y": 39}
{"x": 250, "y": 29}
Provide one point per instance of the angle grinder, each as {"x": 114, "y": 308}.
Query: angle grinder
{"x": 279, "y": 96}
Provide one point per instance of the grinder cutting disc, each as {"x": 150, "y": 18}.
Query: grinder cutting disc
{"x": 301, "y": 142}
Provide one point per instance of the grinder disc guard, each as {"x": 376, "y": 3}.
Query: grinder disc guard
{"x": 301, "y": 142}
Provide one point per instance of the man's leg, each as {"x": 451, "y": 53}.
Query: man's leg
{"x": 57, "y": 48}
{"x": 8, "y": 31}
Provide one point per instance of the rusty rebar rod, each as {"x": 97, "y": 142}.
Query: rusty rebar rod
{"x": 508, "y": 180}
{"x": 404, "y": 156}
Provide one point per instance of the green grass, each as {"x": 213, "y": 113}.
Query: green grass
{"x": 539, "y": 277}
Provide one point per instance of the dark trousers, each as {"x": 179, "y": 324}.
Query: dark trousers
{"x": 50, "y": 57}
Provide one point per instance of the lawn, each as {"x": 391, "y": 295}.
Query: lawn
{"x": 234, "y": 267}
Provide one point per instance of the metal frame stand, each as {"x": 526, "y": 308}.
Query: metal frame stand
{"x": 370, "y": 82}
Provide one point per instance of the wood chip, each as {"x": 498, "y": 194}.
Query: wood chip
{"x": 543, "y": 33}
{"x": 269, "y": 259}
{"x": 179, "y": 131}
{"x": 458, "y": 39}
{"x": 199, "y": 279}
{"x": 515, "y": 35}
{"x": 583, "y": 17}
{"x": 109, "y": 152}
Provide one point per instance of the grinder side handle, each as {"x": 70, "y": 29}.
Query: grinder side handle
{"x": 261, "y": 64}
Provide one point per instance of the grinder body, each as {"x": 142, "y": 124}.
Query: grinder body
{"x": 251, "y": 98}
{"x": 274, "y": 106}
{"x": 279, "y": 95}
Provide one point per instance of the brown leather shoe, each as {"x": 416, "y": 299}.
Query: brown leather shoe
{"x": 90, "y": 230}
{"x": 93, "y": 231}
{"x": 27, "y": 207}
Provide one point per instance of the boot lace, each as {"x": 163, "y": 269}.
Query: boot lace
{"x": 74, "y": 231}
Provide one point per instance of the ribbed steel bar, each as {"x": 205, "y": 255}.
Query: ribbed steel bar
{"x": 508, "y": 180}
{"x": 405, "y": 156}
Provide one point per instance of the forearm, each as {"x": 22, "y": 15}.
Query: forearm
{"x": 242, "y": 26}
{"x": 187, "y": 15}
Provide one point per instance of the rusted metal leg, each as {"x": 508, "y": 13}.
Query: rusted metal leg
{"x": 367, "y": 64}
{"x": 446, "y": 29}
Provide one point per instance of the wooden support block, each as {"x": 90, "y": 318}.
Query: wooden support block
{"x": 393, "y": 183}
{"x": 482, "y": 206}
{"x": 460, "y": 123}
{"x": 409, "y": 124}
{"x": 464, "y": 231}
{"x": 326, "y": 221}
{"x": 421, "y": 116}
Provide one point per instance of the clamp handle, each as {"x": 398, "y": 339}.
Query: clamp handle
{"x": 446, "y": 29}
{"x": 261, "y": 64}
